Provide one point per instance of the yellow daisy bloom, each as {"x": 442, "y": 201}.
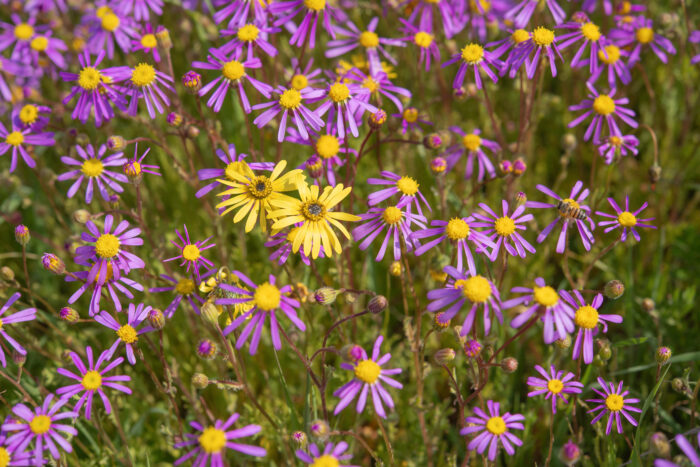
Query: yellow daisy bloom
{"x": 313, "y": 210}
{"x": 252, "y": 194}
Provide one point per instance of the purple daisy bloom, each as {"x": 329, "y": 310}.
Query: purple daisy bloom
{"x": 313, "y": 10}
{"x": 92, "y": 380}
{"x": 44, "y": 46}
{"x": 41, "y": 426}
{"x": 210, "y": 443}
{"x": 145, "y": 82}
{"x": 694, "y": 38}
{"x": 587, "y": 318}
{"x": 405, "y": 186}
{"x": 555, "y": 384}
{"x": 28, "y": 314}
{"x": 613, "y": 60}
{"x": 521, "y": 13}
{"x": 410, "y": 120}
{"x": 328, "y": 147}
{"x": 604, "y": 108}
{"x": 184, "y": 288}
{"x": 459, "y": 232}
{"x": 473, "y": 144}
{"x": 640, "y": 35}
{"x": 590, "y": 34}
{"x": 540, "y": 39}
{"x": 126, "y": 333}
{"x": 345, "y": 104}
{"x": 423, "y": 38}
{"x": 687, "y": 449}
{"x": 18, "y": 139}
{"x": 43, "y": 6}
{"x": 291, "y": 101}
{"x": 11, "y": 68}
{"x": 613, "y": 403}
{"x": 423, "y": 12}
{"x": 31, "y": 116}
{"x": 369, "y": 376}
{"x": 461, "y": 287}
{"x": 309, "y": 76}
{"x": 504, "y": 229}
{"x": 141, "y": 8}
{"x": 13, "y": 456}
{"x": 331, "y": 456}
{"x": 239, "y": 10}
{"x": 93, "y": 168}
{"x": 268, "y": 299}
{"x": 232, "y": 161}
{"x": 494, "y": 430}
{"x": 379, "y": 85}
{"x": 112, "y": 284}
{"x": 625, "y": 219}
{"x": 557, "y": 313}
{"x": 479, "y": 14}
{"x": 397, "y": 224}
{"x": 614, "y": 145}
{"x": 19, "y": 33}
{"x": 515, "y": 38}
{"x": 107, "y": 26}
{"x": 249, "y": 36}
{"x": 191, "y": 253}
{"x": 135, "y": 168}
{"x": 568, "y": 209}
{"x": 474, "y": 56}
{"x": 147, "y": 42}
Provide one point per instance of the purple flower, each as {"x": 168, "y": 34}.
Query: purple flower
{"x": 379, "y": 85}
{"x": 291, "y": 101}
{"x": 568, "y": 209}
{"x": 539, "y": 40}
{"x": 613, "y": 59}
{"x": 473, "y": 56}
{"x": 331, "y": 456}
{"x": 126, "y": 333}
{"x": 40, "y": 6}
{"x": 603, "y": 107}
{"x": 13, "y": 456}
{"x": 28, "y": 314}
{"x": 19, "y": 33}
{"x": 590, "y": 34}
{"x": 554, "y": 385}
{"x": 183, "y": 288}
{"x": 424, "y": 10}
{"x": 34, "y": 117}
{"x": 191, "y": 253}
{"x": 18, "y": 139}
{"x": 694, "y": 38}
{"x": 587, "y": 318}
{"x": 494, "y": 430}
{"x": 107, "y": 26}
{"x": 43, "y": 46}
{"x": 93, "y": 168}
{"x": 515, "y": 38}
{"x": 687, "y": 449}
{"x": 505, "y": 229}
{"x": 239, "y": 10}
{"x": 112, "y": 284}
{"x": 404, "y": 186}
{"x": 268, "y": 299}
{"x": 92, "y": 380}
{"x": 613, "y": 403}
{"x": 461, "y": 287}
{"x": 313, "y": 10}
{"x": 250, "y": 36}
{"x": 299, "y": 79}
{"x": 135, "y": 168}
{"x": 147, "y": 42}
{"x": 625, "y": 219}
{"x": 369, "y": 376}
{"x": 345, "y": 104}
{"x": 141, "y": 8}
{"x": 473, "y": 144}
{"x": 423, "y": 38}
{"x": 41, "y": 426}
{"x": 284, "y": 242}
{"x": 614, "y": 145}
{"x": 145, "y": 82}
{"x": 478, "y": 14}
{"x": 210, "y": 443}
{"x": 521, "y": 13}
{"x": 410, "y": 120}
{"x": 328, "y": 147}
{"x": 641, "y": 34}
{"x": 232, "y": 162}
{"x": 397, "y": 224}
{"x": 9, "y": 69}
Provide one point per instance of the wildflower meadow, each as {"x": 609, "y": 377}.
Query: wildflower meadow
{"x": 345, "y": 233}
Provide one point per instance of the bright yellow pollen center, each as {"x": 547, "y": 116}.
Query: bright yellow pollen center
{"x": 457, "y": 229}
{"x": 107, "y": 246}
{"x": 327, "y": 146}
{"x": 4, "y": 457}
{"x": 627, "y": 219}
{"x": 290, "y": 99}
{"x": 248, "y": 33}
{"x": 471, "y": 141}
{"x": 410, "y": 114}
{"x": 15, "y": 138}
{"x": 92, "y": 168}
{"x": 39, "y": 43}
{"x": 92, "y": 380}
{"x": 407, "y": 186}
{"x": 102, "y": 11}
{"x": 0, "y": 324}
{"x": 496, "y": 426}
{"x": 184, "y": 286}
{"x": 267, "y": 297}
{"x": 89, "y": 78}
{"x": 338, "y": 92}
{"x": 543, "y": 37}
{"x": 132, "y": 169}
{"x": 233, "y": 70}
{"x": 520, "y": 35}
{"x": 615, "y": 141}
{"x": 371, "y": 84}
{"x": 645, "y": 35}
{"x": 613, "y": 54}
{"x": 143, "y": 75}
{"x": 190, "y": 252}
{"x": 624, "y": 8}
{"x": 504, "y": 226}
{"x": 315, "y": 5}
{"x": 110, "y": 22}
{"x": 299, "y": 82}
{"x": 473, "y": 54}
{"x": 545, "y": 296}
{"x": 367, "y": 371}
{"x": 484, "y": 4}
{"x": 555, "y": 386}
{"x": 423, "y": 39}
{"x": 24, "y": 31}
{"x": 260, "y": 187}
{"x": 392, "y": 215}
{"x": 477, "y": 289}
{"x": 28, "y": 114}
{"x": 149, "y": 41}
{"x": 127, "y": 334}
{"x": 590, "y": 31}
{"x": 212, "y": 440}
{"x": 614, "y": 402}
{"x": 40, "y": 424}
{"x": 604, "y": 105}
{"x": 586, "y": 317}
{"x": 325, "y": 460}
{"x": 369, "y": 39}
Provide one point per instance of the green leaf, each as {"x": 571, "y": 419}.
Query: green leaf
{"x": 630, "y": 342}
{"x": 635, "y": 459}
{"x": 685, "y": 357}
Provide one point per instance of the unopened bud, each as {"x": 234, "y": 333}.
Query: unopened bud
{"x": 459, "y": 93}
{"x": 192, "y": 132}
{"x": 81, "y": 216}
{"x": 444, "y": 356}
{"x": 659, "y": 445}
{"x": 597, "y": 361}
{"x": 570, "y": 453}
{"x": 519, "y": 166}
{"x": 438, "y": 165}
{"x": 200, "y": 380}
{"x": 568, "y": 142}
{"x": 377, "y": 304}
{"x": 563, "y": 343}
{"x": 327, "y": 295}
{"x": 156, "y": 319}
{"x": 192, "y": 81}
{"x": 82, "y": 139}
{"x": 472, "y": 90}
{"x": 163, "y": 37}
{"x": 377, "y": 119}
{"x": 314, "y": 166}
{"x": 206, "y": 349}
{"x": 22, "y": 234}
{"x": 614, "y": 289}
{"x": 116, "y": 143}
{"x": 580, "y": 17}
{"x": 605, "y": 353}
{"x": 132, "y": 169}
{"x": 648, "y": 305}
{"x": 319, "y": 429}
{"x": 299, "y": 438}
{"x": 19, "y": 358}
{"x": 509, "y": 364}
{"x": 174, "y": 119}
{"x": 7, "y": 274}
{"x": 472, "y": 348}
{"x": 69, "y": 315}
{"x": 654, "y": 173}
{"x": 520, "y": 198}
{"x": 678, "y": 385}
{"x": 662, "y": 355}
{"x": 505, "y": 167}
{"x": 53, "y": 263}
{"x": 351, "y": 352}
{"x": 432, "y": 141}
{"x": 210, "y": 314}
{"x": 395, "y": 269}
{"x": 439, "y": 322}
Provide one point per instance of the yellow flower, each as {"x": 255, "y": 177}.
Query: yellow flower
{"x": 313, "y": 210}
{"x": 252, "y": 194}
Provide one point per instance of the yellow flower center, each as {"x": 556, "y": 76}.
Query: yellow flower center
{"x": 423, "y": 39}
{"x": 0, "y": 324}
{"x": 127, "y": 334}
{"x": 555, "y": 386}
{"x": 233, "y": 168}
{"x": 315, "y": 5}
{"x": 5, "y": 457}
{"x": 267, "y": 297}
{"x": 248, "y": 33}
{"x": 190, "y": 252}
{"x": 484, "y": 4}
{"x": 613, "y": 52}
{"x": 369, "y": 39}
{"x": 545, "y": 296}
{"x": 457, "y": 229}
{"x": 614, "y": 402}
{"x": 39, "y": 43}
{"x": 212, "y": 440}
{"x": 615, "y": 141}
{"x": 627, "y": 219}
{"x": 645, "y": 35}
{"x": 521, "y": 35}
{"x": 367, "y": 371}
{"x": 586, "y": 317}
{"x": 543, "y": 37}
{"x": 473, "y": 54}
{"x": 110, "y": 272}
{"x": 371, "y": 84}
{"x": 24, "y": 31}
{"x": 107, "y": 246}
{"x": 92, "y": 168}
{"x": 624, "y": 7}
{"x": 590, "y": 31}
{"x": 604, "y": 105}
{"x": 327, "y": 146}
{"x": 28, "y": 114}
{"x": 143, "y": 75}
{"x": 325, "y": 460}
{"x": 504, "y": 226}
{"x": 410, "y": 114}
{"x": 339, "y": 92}
{"x": 132, "y": 169}
{"x": 260, "y": 187}
{"x": 149, "y": 41}
{"x": 92, "y": 380}
{"x": 89, "y": 78}
{"x": 40, "y": 424}
{"x": 477, "y": 289}
{"x": 102, "y": 11}
{"x": 184, "y": 286}
{"x": 392, "y": 215}
{"x": 496, "y": 426}
{"x": 110, "y": 22}
{"x": 299, "y": 82}
{"x": 15, "y": 138}
{"x": 471, "y": 141}
{"x": 313, "y": 211}
{"x": 233, "y": 70}
{"x": 407, "y": 186}
{"x": 290, "y": 99}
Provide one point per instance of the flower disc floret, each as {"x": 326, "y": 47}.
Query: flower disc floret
{"x": 471, "y": 141}
{"x": 24, "y": 31}
{"x": 369, "y": 39}
{"x": 248, "y": 33}
{"x": 89, "y": 78}
{"x": 290, "y": 99}
{"x": 299, "y": 82}
{"x": 267, "y": 297}
{"x": 190, "y": 252}
{"x": 496, "y": 425}
{"x": 327, "y": 146}
{"x": 107, "y": 246}
{"x": 92, "y": 380}
{"x": 591, "y": 31}
{"x": 586, "y": 317}
{"x": 644, "y": 35}
{"x": 604, "y": 105}
{"x": 339, "y": 92}
{"x": 127, "y": 334}
{"x": 28, "y": 114}
{"x": 555, "y": 386}
{"x": 149, "y": 41}
{"x": 367, "y": 371}
{"x": 315, "y": 5}
{"x": 504, "y": 226}
{"x": 477, "y": 289}
{"x": 143, "y": 75}
{"x": 521, "y": 35}
{"x": 260, "y": 187}
{"x": 233, "y": 70}
{"x": 313, "y": 211}
{"x": 473, "y": 54}
{"x": 407, "y": 186}
{"x": 627, "y": 219}
{"x": 457, "y": 229}
{"x": 542, "y": 37}
{"x": 110, "y": 22}
{"x": 392, "y": 215}
{"x": 614, "y": 402}
{"x": 613, "y": 54}
{"x": 545, "y": 296}
{"x": 184, "y": 286}
{"x": 40, "y": 424}
{"x": 325, "y": 460}
{"x": 423, "y": 39}
{"x": 410, "y": 114}
{"x": 212, "y": 440}
{"x": 15, "y": 138}
{"x": 39, "y": 43}
{"x": 92, "y": 168}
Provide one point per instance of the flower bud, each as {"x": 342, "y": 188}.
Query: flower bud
{"x": 648, "y": 305}
{"x": 395, "y": 269}
{"x": 377, "y": 304}
{"x": 459, "y": 93}
{"x": 605, "y": 353}
{"x": 519, "y": 166}
{"x": 520, "y": 198}
{"x": 472, "y": 348}
{"x": 299, "y": 438}
{"x": 438, "y": 324}
{"x": 132, "y": 169}
{"x": 314, "y": 166}
{"x": 7, "y": 274}
{"x": 654, "y": 173}
{"x": 444, "y": 356}
{"x": 564, "y": 343}
{"x": 597, "y": 361}
{"x": 163, "y": 37}
{"x": 192, "y": 81}
{"x": 438, "y": 165}
{"x": 570, "y": 453}
{"x": 53, "y": 263}
{"x": 659, "y": 445}
{"x": 206, "y": 349}
{"x": 69, "y": 315}
{"x": 377, "y": 119}
{"x": 472, "y": 90}
{"x": 156, "y": 319}
{"x": 568, "y": 142}
{"x": 174, "y": 119}
{"x": 509, "y": 364}
{"x": 210, "y": 314}
{"x": 22, "y": 234}
{"x": 580, "y": 17}
{"x": 505, "y": 167}
{"x": 192, "y": 132}
{"x": 116, "y": 143}
{"x": 432, "y": 141}
{"x": 662, "y": 355}
{"x": 351, "y": 352}
{"x": 18, "y": 358}
{"x": 614, "y": 289}
{"x": 200, "y": 380}
{"x": 82, "y": 139}
{"x": 319, "y": 429}
{"x": 327, "y": 295}
{"x": 81, "y": 216}
{"x": 678, "y": 385}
